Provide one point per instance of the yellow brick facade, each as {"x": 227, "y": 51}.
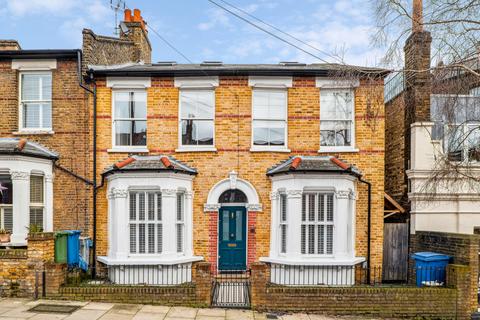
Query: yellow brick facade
{"x": 233, "y": 105}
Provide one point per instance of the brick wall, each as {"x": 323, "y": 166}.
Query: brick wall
{"x": 70, "y": 117}
{"x": 233, "y": 121}
{"x": 20, "y": 269}
{"x": 387, "y": 302}
{"x": 463, "y": 248}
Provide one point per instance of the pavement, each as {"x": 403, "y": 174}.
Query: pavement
{"x": 17, "y": 309}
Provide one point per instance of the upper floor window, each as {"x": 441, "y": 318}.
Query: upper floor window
{"x": 36, "y": 101}
{"x": 336, "y": 118}
{"x": 197, "y": 110}
{"x": 129, "y": 118}
{"x": 269, "y": 121}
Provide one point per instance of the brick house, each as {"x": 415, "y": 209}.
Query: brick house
{"x": 234, "y": 164}
{"x": 44, "y": 145}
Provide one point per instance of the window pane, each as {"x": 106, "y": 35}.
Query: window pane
{"x": 260, "y": 133}
{"x": 205, "y": 132}
{"x": 321, "y": 239}
{"x": 180, "y": 207}
{"x": 269, "y": 104}
{"x": 122, "y": 104}
{"x": 226, "y": 225}
{"x": 277, "y": 133}
{"x": 6, "y": 189}
{"x": 36, "y": 87}
{"x": 151, "y": 206}
{"x": 188, "y": 105}
{"x": 304, "y": 204}
{"x": 335, "y": 133}
{"x": 260, "y": 104}
{"x": 303, "y": 241}
{"x": 283, "y": 238}
{"x": 36, "y": 216}
{"x": 197, "y": 132}
{"x": 141, "y": 206}
{"x": 151, "y": 238}
{"x": 327, "y": 105}
{"x": 133, "y": 238}
{"x": 31, "y": 115}
{"x": 473, "y": 142}
{"x": 179, "y": 237}
{"x": 277, "y": 105}
{"x": 133, "y": 206}
{"x": 311, "y": 239}
{"x": 159, "y": 206}
{"x": 159, "y": 238}
{"x": 130, "y": 133}
{"x": 238, "y": 225}
{"x": 141, "y": 238}
{"x": 139, "y": 137}
{"x": 139, "y": 105}
{"x": 336, "y": 104}
{"x": 283, "y": 207}
{"x": 8, "y": 218}
{"x": 269, "y": 133}
{"x": 321, "y": 207}
{"x": 197, "y": 104}
{"x": 329, "y": 239}
{"x": 311, "y": 207}
{"x": 36, "y": 189}
{"x": 46, "y": 115}
{"x": 330, "y": 208}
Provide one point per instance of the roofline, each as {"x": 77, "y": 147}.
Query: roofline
{"x": 26, "y": 154}
{"x": 112, "y": 171}
{"x": 348, "y": 171}
{"x": 229, "y": 72}
{"x": 39, "y": 54}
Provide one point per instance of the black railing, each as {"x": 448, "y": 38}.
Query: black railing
{"x": 151, "y": 275}
{"x": 334, "y": 275}
{"x": 231, "y": 289}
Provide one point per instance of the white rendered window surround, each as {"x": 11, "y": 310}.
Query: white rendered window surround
{"x": 35, "y": 97}
{"x": 21, "y": 169}
{"x": 337, "y": 114}
{"x": 341, "y": 188}
{"x": 166, "y": 185}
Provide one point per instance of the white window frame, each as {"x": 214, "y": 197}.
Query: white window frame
{"x": 284, "y": 148}
{"x": 195, "y": 148}
{"x": 465, "y": 128}
{"x": 38, "y": 205}
{"x": 180, "y": 223}
{"x": 119, "y": 148}
{"x": 157, "y": 211}
{"x": 21, "y": 127}
{"x": 283, "y": 223}
{"x": 317, "y": 223}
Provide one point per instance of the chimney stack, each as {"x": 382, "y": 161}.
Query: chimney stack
{"x": 138, "y": 34}
{"x": 9, "y": 45}
{"x": 417, "y": 16}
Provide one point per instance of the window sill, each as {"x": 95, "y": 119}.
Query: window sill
{"x": 149, "y": 260}
{"x": 33, "y": 132}
{"x": 314, "y": 261}
{"x": 337, "y": 149}
{"x": 128, "y": 150}
{"x": 269, "y": 149}
{"x": 196, "y": 149}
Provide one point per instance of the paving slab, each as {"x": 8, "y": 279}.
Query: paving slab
{"x": 84, "y": 314}
{"x": 209, "y": 318}
{"x": 141, "y": 315}
{"x": 236, "y": 314}
{"x": 182, "y": 312}
{"x": 297, "y": 316}
{"x": 49, "y": 316}
{"x": 125, "y": 308}
{"x": 116, "y": 316}
{"x": 99, "y": 306}
{"x": 214, "y": 312}
{"x": 19, "y": 312}
{"x": 155, "y": 309}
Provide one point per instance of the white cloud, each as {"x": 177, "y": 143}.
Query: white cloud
{"x": 216, "y": 17}
{"x": 21, "y": 8}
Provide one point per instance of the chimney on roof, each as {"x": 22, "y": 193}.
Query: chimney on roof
{"x": 8, "y": 45}
{"x": 417, "y": 16}
{"x": 134, "y": 28}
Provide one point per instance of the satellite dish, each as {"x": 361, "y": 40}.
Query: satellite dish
{"x": 124, "y": 27}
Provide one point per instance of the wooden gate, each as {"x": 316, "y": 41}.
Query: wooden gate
{"x": 395, "y": 252}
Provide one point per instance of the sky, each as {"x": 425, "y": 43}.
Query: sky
{"x": 202, "y": 31}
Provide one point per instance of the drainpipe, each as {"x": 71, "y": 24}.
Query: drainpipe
{"x": 369, "y": 214}
{"x": 94, "y": 180}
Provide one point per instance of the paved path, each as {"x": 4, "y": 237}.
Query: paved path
{"x": 17, "y": 309}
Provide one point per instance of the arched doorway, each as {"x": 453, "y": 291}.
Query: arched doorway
{"x": 232, "y": 231}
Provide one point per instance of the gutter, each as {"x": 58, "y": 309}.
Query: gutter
{"x": 94, "y": 180}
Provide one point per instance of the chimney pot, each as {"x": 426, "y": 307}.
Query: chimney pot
{"x": 128, "y": 15}
{"x": 137, "y": 17}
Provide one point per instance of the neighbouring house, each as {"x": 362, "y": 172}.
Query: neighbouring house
{"x": 44, "y": 142}
{"x": 432, "y": 116}
{"x": 234, "y": 164}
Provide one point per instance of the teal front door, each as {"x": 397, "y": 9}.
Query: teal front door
{"x": 232, "y": 242}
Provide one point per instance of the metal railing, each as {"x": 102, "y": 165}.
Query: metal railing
{"x": 231, "y": 289}
{"x": 334, "y": 275}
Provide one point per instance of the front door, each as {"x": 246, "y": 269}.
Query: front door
{"x": 232, "y": 253}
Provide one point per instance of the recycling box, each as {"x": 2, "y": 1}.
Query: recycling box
{"x": 430, "y": 268}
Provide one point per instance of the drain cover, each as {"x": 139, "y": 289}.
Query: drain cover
{"x": 53, "y": 308}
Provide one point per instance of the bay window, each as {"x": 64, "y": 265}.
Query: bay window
{"x": 197, "y": 110}
{"x": 336, "y": 117}
{"x": 129, "y": 118}
{"x": 35, "y": 101}
{"x": 269, "y": 118}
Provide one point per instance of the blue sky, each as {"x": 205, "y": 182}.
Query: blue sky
{"x": 202, "y": 31}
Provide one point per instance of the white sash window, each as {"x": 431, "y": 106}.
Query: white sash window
{"x": 36, "y": 101}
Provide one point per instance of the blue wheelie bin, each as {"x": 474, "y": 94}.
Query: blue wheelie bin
{"x": 430, "y": 268}
{"x": 73, "y": 248}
